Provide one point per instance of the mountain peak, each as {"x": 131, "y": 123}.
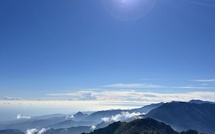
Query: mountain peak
{"x": 79, "y": 114}
{"x": 200, "y": 102}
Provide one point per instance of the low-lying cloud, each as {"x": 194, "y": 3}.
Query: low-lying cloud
{"x": 68, "y": 117}
{"x": 36, "y": 131}
{"x": 31, "y": 131}
{"x": 92, "y": 128}
{"x": 122, "y": 117}
{"x": 19, "y": 116}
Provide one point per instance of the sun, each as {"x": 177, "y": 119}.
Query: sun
{"x": 128, "y": 9}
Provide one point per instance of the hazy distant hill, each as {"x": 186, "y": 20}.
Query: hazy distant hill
{"x": 62, "y": 121}
{"x": 72, "y": 130}
{"x": 79, "y": 116}
{"x": 141, "y": 126}
{"x": 25, "y": 124}
{"x": 11, "y": 131}
{"x": 70, "y": 123}
{"x": 183, "y": 116}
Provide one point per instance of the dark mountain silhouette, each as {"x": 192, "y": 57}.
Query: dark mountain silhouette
{"x": 141, "y": 126}
{"x": 184, "y": 115}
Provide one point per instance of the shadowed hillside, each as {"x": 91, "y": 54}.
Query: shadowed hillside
{"x": 142, "y": 126}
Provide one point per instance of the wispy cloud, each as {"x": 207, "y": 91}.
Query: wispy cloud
{"x": 205, "y": 80}
{"x": 194, "y": 87}
{"x": 150, "y": 79}
{"x": 131, "y": 95}
{"x": 202, "y": 3}
{"x": 135, "y": 85}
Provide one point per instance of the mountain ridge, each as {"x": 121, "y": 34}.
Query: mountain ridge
{"x": 140, "y": 126}
{"x": 184, "y": 115}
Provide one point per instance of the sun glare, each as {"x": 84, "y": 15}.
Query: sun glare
{"x": 128, "y": 9}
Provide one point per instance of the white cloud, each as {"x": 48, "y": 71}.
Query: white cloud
{"x": 92, "y": 128}
{"x": 205, "y": 80}
{"x": 32, "y": 131}
{"x": 121, "y": 117}
{"x": 106, "y": 119}
{"x": 43, "y": 130}
{"x": 19, "y": 116}
{"x": 136, "y": 85}
{"x": 36, "y": 131}
{"x": 69, "y": 117}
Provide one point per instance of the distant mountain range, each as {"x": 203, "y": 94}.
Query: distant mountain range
{"x": 11, "y": 98}
{"x": 141, "y": 126}
{"x": 71, "y": 130}
{"x": 198, "y": 115}
{"x": 195, "y": 114}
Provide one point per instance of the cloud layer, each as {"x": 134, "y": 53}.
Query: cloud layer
{"x": 131, "y": 95}
{"x": 205, "y": 80}
{"x": 121, "y": 117}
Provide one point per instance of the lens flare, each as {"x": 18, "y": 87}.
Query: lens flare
{"x": 128, "y": 9}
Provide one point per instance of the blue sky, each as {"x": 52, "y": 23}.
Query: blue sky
{"x": 61, "y": 46}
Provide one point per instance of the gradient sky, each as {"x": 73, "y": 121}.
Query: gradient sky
{"x": 64, "y": 46}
